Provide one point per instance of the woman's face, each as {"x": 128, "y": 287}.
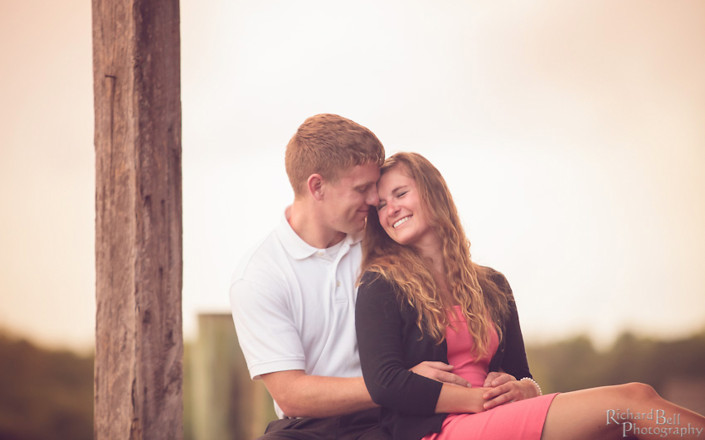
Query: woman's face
{"x": 400, "y": 209}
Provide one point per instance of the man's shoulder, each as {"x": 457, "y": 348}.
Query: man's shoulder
{"x": 258, "y": 280}
{"x": 260, "y": 259}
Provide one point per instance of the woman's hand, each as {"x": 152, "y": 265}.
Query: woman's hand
{"x": 505, "y": 388}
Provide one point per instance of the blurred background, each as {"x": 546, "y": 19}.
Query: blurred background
{"x": 572, "y": 136}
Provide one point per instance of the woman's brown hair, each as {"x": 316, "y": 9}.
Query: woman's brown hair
{"x": 470, "y": 285}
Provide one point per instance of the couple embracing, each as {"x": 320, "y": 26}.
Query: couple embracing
{"x": 366, "y": 318}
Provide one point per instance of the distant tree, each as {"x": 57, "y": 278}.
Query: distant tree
{"x": 44, "y": 394}
{"x": 575, "y": 364}
{"x": 48, "y": 394}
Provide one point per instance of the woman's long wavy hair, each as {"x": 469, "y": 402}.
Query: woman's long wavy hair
{"x": 470, "y": 286}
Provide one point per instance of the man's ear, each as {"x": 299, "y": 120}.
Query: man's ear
{"x": 315, "y": 186}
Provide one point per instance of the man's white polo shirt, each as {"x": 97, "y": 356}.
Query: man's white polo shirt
{"x": 294, "y": 306}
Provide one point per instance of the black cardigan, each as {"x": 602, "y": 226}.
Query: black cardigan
{"x": 390, "y": 343}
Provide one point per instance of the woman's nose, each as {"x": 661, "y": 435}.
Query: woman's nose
{"x": 392, "y": 208}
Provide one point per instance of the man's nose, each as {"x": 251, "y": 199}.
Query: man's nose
{"x": 372, "y": 198}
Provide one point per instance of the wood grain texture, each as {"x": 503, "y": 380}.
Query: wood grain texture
{"x": 139, "y": 347}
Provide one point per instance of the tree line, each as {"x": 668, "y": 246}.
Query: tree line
{"x": 48, "y": 394}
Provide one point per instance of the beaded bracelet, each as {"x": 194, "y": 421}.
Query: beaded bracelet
{"x": 538, "y": 388}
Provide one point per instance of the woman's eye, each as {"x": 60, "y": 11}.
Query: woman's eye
{"x": 402, "y": 194}
{"x": 381, "y": 206}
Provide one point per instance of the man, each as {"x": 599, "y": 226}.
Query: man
{"x": 293, "y": 298}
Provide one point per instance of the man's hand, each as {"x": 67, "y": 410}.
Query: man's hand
{"x": 440, "y": 372}
{"x": 505, "y": 388}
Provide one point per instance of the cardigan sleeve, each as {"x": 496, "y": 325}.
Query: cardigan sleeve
{"x": 514, "y": 360}
{"x": 379, "y": 323}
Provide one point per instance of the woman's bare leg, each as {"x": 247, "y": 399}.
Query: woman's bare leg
{"x": 632, "y": 411}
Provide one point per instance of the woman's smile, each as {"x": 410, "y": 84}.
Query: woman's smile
{"x": 401, "y": 221}
{"x": 401, "y": 211}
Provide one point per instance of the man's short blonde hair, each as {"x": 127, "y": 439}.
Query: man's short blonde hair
{"x": 326, "y": 144}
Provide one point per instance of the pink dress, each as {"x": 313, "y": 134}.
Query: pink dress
{"x": 517, "y": 420}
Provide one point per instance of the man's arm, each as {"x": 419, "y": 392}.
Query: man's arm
{"x": 267, "y": 332}
{"x": 301, "y": 395}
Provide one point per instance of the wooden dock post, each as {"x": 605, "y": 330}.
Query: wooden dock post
{"x": 226, "y": 403}
{"x": 139, "y": 346}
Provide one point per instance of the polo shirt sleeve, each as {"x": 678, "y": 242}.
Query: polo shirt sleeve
{"x": 266, "y": 331}
{"x": 379, "y": 326}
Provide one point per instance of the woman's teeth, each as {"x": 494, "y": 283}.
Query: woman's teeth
{"x": 400, "y": 221}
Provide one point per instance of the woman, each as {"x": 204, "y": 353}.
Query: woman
{"x": 421, "y": 298}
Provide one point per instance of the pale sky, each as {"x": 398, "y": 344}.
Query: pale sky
{"x": 572, "y": 135}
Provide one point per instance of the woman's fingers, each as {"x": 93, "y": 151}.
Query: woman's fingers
{"x": 500, "y": 395}
{"x": 505, "y": 393}
{"x": 496, "y": 378}
{"x": 498, "y": 391}
{"x": 497, "y": 401}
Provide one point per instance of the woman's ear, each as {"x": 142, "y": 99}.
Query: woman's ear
{"x": 315, "y": 186}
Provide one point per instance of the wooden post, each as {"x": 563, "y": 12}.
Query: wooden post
{"x": 225, "y": 403}
{"x": 139, "y": 346}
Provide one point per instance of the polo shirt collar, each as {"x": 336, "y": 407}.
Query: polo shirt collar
{"x": 297, "y": 247}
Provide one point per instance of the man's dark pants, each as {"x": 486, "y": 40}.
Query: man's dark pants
{"x": 361, "y": 425}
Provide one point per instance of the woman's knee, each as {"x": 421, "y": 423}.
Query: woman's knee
{"x": 637, "y": 391}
